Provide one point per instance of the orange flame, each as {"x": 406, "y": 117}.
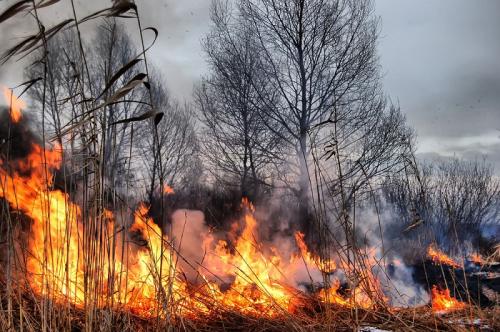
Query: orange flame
{"x": 33, "y": 196}
{"x": 440, "y": 257}
{"x": 15, "y": 104}
{"x": 443, "y": 302}
{"x": 327, "y": 266}
{"x": 358, "y": 296}
{"x": 168, "y": 190}
{"x": 365, "y": 290}
{"x": 477, "y": 258}
{"x": 58, "y": 266}
{"x": 242, "y": 275}
{"x": 330, "y": 295}
{"x": 258, "y": 286}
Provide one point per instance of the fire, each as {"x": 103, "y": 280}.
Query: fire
{"x": 154, "y": 269}
{"x": 443, "y": 302}
{"x": 477, "y": 258}
{"x": 58, "y": 265}
{"x": 358, "y": 295}
{"x": 364, "y": 287}
{"x": 33, "y": 196}
{"x": 331, "y": 295}
{"x": 15, "y": 104}
{"x": 440, "y": 257}
{"x": 259, "y": 280}
{"x": 168, "y": 190}
{"x": 326, "y": 266}
{"x": 143, "y": 276}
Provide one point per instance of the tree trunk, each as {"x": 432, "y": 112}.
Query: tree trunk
{"x": 303, "y": 196}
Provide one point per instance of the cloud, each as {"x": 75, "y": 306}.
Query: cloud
{"x": 178, "y": 52}
{"x": 441, "y": 63}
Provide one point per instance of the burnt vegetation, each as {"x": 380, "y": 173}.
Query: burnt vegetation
{"x": 103, "y": 174}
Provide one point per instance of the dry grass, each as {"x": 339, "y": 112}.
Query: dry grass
{"x": 316, "y": 318}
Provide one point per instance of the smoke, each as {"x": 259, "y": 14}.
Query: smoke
{"x": 188, "y": 235}
{"x": 299, "y": 274}
{"x": 277, "y": 216}
{"x": 196, "y": 243}
{"x": 379, "y": 232}
{"x": 401, "y": 287}
{"x": 16, "y": 139}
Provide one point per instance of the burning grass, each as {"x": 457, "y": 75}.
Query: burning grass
{"x": 240, "y": 284}
{"x": 315, "y": 318}
{"x": 440, "y": 257}
{"x": 443, "y": 302}
{"x": 143, "y": 278}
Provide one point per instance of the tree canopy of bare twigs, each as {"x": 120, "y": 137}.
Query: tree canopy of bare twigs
{"x": 177, "y": 140}
{"x": 450, "y": 201}
{"x": 314, "y": 81}
{"x": 240, "y": 147}
{"x": 109, "y": 52}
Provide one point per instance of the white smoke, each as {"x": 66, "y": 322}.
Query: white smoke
{"x": 188, "y": 230}
{"x": 396, "y": 278}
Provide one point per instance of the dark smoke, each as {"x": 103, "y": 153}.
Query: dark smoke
{"x": 16, "y": 139}
{"x": 16, "y": 143}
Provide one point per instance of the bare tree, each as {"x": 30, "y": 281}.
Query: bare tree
{"x": 239, "y": 147}
{"x": 320, "y": 58}
{"x": 112, "y": 50}
{"x": 177, "y": 142}
{"x": 448, "y": 203}
{"x": 62, "y": 72}
{"x": 319, "y": 55}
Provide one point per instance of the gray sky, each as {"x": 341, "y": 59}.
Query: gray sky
{"x": 440, "y": 59}
{"x": 442, "y": 63}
